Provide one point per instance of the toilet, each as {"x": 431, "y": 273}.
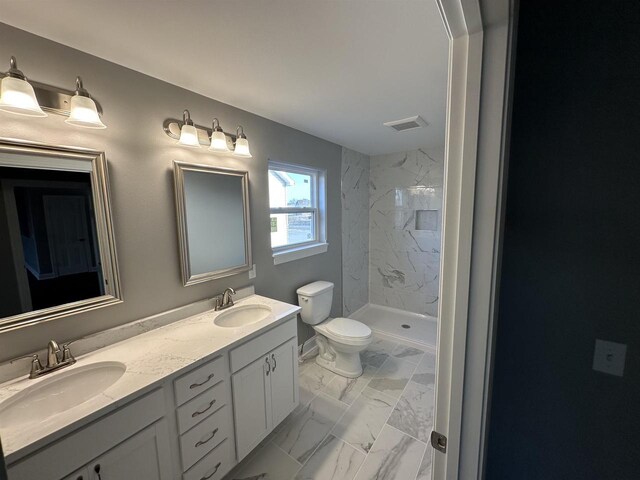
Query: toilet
{"x": 340, "y": 340}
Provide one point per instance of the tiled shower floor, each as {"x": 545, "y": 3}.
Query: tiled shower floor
{"x": 373, "y": 427}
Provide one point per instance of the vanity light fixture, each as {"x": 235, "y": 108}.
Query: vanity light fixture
{"x": 188, "y": 132}
{"x": 84, "y": 112}
{"x": 35, "y": 99}
{"x": 17, "y": 94}
{"x": 242, "y": 144}
{"x": 218, "y": 138}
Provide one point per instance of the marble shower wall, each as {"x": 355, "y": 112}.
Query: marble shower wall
{"x": 355, "y": 230}
{"x": 405, "y": 226}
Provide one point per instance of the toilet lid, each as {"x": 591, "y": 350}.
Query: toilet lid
{"x": 346, "y": 327}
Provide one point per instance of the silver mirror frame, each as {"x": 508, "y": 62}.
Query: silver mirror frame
{"x": 187, "y": 277}
{"x": 104, "y": 228}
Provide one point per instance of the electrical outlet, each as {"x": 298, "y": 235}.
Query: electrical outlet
{"x": 252, "y": 272}
{"x": 609, "y": 357}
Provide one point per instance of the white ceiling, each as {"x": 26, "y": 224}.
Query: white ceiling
{"x": 337, "y": 69}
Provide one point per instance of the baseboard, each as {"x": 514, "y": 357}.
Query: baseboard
{"x": 308, "y": 349}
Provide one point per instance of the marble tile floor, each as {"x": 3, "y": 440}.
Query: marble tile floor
{"x": 373, "y": 427}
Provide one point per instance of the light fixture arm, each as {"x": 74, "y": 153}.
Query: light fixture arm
{"x": 13, "y": 71}
{"x": 80, "y": 90}
{"x": 186, "y": 118}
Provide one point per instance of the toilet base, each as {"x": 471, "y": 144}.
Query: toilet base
{"x": 352, "y": 371}
{"x": 346, "y": 364}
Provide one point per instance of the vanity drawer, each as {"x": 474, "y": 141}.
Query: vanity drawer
{"x": 214, "y": 465}
{"x": 205, "y": 436}
{"x": 200, "y": 379}
{"x": 255, "y": 348}
{"x": 200, "y": 407}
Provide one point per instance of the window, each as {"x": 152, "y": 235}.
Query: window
{"x": 297, "y": 201}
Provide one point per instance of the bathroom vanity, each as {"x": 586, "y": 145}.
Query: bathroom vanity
{"x": 188, "y": 400}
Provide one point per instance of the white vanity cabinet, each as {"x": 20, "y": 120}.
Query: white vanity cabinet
{"x": 133, "y": 439}
{"x": 139, "y": 457}
{"x": 82, "y": 474}
{"x": 194, "y": 425}
{"x": 265, "y": 389}
{"x": 143, "y": 457}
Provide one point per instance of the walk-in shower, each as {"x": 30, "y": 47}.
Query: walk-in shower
{"x": 391, "y": 224}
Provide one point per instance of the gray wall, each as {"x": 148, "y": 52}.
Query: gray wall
{"x": 571, "y": 258}
{"x": 140, "y": 166}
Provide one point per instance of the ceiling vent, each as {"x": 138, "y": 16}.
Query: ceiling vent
{"x": 405, "y": 124}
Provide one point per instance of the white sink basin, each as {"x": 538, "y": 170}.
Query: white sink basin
{"x": 242, "y": 315}
{"x": 59, "y": 392}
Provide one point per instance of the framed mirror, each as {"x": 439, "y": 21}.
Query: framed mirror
{"x": 213, "y": 221}
{"x": 57, "y": 250}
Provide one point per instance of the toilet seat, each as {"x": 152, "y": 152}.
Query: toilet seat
{"x": 346, "y": 327}
{"x": 345, "y": 330}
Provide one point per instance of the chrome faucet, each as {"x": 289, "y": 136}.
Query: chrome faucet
{"x": 55, "y": 359}
{"x": 52, "y": 354}
{"x": 225, "y": 301}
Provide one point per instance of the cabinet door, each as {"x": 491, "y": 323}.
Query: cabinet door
{"x": 284, "y": 380}
{"x": 145, "y": 456}
{"x": 252, "y": 405}
{"x": 82, "y": 474}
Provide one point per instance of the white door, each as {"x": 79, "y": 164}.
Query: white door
{"x": 68, "y": 233}
{"x": 145, "y": 456}
{"x": 284, "y": 380}
{"x": 252, "y": 404}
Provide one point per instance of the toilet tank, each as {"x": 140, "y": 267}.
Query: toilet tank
{"x": 315, "y": 300}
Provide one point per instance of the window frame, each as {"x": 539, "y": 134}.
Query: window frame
{"x": 318, "y": 200}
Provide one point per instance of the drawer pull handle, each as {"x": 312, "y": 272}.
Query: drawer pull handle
{"x": 212, "y": 473}
{"x": 268, "y": 365}
{"x": 97, "y": 470}
{"x": 196, "y": 385}
{"x": 202, "y": 442}
{"x": 275, "y": 364}
{"x": 200, "y": 412}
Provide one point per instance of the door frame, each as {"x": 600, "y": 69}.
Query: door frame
{"x": 480, "y": 60}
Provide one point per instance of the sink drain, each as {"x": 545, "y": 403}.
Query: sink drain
{"x": 404, "y": 325}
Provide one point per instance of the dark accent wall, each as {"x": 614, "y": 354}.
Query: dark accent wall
{"x": 571, "y": 257}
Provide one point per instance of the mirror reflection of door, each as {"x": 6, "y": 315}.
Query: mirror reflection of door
{"x": 48, "y": 239}
{"x": 67, "y": 233}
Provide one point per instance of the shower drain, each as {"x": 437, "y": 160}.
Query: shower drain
{"x": 404, "y": 325}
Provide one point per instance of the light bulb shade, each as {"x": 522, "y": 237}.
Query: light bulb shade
{"x": 84, "y": 113}
{"x": 189, "y": 136}
{"x": 17, "y": 96}
{"x": 218, "y": 142}
{"x": 242, "y": 148}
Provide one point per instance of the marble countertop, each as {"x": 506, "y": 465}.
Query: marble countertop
{"x": 151, "y": 358}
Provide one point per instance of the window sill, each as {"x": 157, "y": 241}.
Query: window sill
{"x": 297, "y": 253}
